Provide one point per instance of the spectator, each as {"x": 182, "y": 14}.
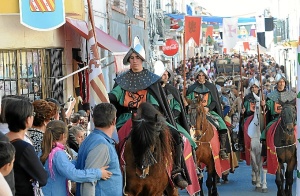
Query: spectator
{"x": 27, "y": 167}
{"x": 57, "y": 164}
{"x": 7, "y": 157}
{"x": 76, "y": 137}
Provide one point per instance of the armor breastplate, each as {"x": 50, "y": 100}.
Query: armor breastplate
{"x": 277, "y": 107}
{"x": 133, "y": 100}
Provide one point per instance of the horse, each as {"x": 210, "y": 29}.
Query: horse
{"x": 147, "y": 155}
{"x": 203, "y": 133}
{"x": 254, "y": 132}
{"x": 285, "y": 145}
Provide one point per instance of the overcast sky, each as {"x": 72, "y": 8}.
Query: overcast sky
{"x": 233, "y": 8}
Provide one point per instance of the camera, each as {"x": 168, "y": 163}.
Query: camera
{"x": 71, "y": 98}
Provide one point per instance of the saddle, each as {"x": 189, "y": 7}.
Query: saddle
{"x": 213, "y": 120}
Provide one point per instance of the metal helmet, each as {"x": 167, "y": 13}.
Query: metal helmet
{"x": 160, "y": 68}
{"x": 138, "y": 49}
{"x": 204, "y": 71}
{"x": 254, "y": 81}
{"x": 280, "y": 76}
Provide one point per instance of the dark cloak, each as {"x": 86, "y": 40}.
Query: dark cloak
{"x": 215, "y": 101}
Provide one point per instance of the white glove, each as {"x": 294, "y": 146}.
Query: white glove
{"x": 80, "y": 99}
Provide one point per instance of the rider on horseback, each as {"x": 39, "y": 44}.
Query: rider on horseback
{"x": 139, "y": 85}
{"x": 281, "y": 93}
{"x": 212, "y": 105}
{"x": 249, "y": 107}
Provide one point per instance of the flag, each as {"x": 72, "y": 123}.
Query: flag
{"x": 189, "y": 10}
{"x": 230, "y": 32}
{"x": 98, "y": 93}
{"x": 264, "y": 29}
{"x": 209, "y": 31}
{"x": 252, "y": 31}
{"x": 192, "y": 28}
{"x": 246, "y": 46}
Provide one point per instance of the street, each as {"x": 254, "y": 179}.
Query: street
{"x": 240, "y": 184}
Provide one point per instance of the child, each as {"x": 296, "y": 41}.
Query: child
{"x": 7, "y": 157}
{"x": 59, "y": 168}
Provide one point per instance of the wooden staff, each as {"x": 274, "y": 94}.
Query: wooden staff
{"x": 261, "y": 85}
{"x": 241, "y": 80}
{"x": 183, "y": 67}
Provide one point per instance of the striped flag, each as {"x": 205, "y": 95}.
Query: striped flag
{"x": 42, "y": 5}
{"x": 98, "y": 93}
{"x": 230, "y": 33}
{"x": 264, "y": 29}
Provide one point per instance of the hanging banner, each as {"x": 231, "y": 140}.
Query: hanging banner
{"x": 192, "y": 29}
{"x": 42, "y": 15}
{"x": 171, "y": 48}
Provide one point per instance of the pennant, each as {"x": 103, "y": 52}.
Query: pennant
{"x": 252, "y": 31}
{"x": 98, "y": 93}
{"x": 209, "y": 31}
{"x": 246, "y": 46}
{"x": 192, "y": 29}
{"x": 230, "y": 32}
{"x": 264, "y": 28}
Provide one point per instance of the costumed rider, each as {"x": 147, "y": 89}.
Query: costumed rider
{"x": 212, "y": 105}
{"x": 176, "y": 104}
{"x": 273, "y": 107}
{"x": 138, "y": 85}
{"x": 248, "y": 110}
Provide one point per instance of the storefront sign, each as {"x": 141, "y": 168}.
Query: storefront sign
{"x": 171, "y": 48}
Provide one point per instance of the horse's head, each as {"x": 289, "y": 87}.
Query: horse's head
{"x": 288, "y": 117}
{"x": 150, "y": 139}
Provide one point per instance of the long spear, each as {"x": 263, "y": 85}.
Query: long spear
{"x": 241, "y": 80}
{"x": 261, "y": 85}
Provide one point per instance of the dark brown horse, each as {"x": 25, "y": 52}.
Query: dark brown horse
{"x": 285, "y": 144}
{"x": 148, "y": 155}
{"x": 203, "y": 133}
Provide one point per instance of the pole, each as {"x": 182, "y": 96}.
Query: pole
{"x": 298, "y": 114}
{"x": 183, "y": 67}
{"x": 261, "y": 85}
{"x": 241, "y": 80}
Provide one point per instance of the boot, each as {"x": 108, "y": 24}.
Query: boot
{"x": 177, "y": 173}
{"x": 223, "y": 138}
{"x": 264, "y": 152}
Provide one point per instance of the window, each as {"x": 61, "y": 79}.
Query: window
{"x": 26, "y": 72}
{"x": 139, "y": 7}
{"x": 119, "y": 5}
{"x": 158, "y": 4}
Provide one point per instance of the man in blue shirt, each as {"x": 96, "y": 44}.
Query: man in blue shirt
{"x": 98, "y": 150}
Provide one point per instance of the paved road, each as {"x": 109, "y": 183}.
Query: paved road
{"x": 240, "y": 184}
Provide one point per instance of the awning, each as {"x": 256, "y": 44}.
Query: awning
{"x": 104, "y": 40}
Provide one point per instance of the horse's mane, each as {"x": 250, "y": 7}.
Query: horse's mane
{"x": 151, "y": 141}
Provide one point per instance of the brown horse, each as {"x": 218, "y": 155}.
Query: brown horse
{"x": 285, "y": 144}
{"x": 203, "y": 134}
{"x": 147, "y": 156}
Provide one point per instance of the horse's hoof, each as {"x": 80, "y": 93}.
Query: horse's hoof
{"x": 253, "y": 183}
{"x": 264, "y": 190}
{"x": 218, "y": 183}
{"x": 258, "y": 189}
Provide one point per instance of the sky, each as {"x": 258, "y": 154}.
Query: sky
{"x": 231, "y": 8}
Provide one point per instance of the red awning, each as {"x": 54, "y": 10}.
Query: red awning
{"x": 104, "y": 40}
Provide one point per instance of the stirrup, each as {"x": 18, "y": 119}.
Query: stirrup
{"x": 223, "y": 154}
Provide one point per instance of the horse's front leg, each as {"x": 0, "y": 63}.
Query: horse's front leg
{"x": 279, "y": 181}
{"x": 264, "y": 188}
{"x": 214, "y": 185}
{"x": 289, "y": 178}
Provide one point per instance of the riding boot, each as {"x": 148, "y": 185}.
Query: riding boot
{"x": 223, "y": 138}
{"x": 264, "y": 151}
{"x": 177, "y": 173}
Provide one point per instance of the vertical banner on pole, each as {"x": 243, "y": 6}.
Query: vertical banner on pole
{"x": 298, "y": 113}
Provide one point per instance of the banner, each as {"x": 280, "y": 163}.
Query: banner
{"x": 98, "y": 93}
{"x": 192, "y": 29}
{"x": 264, "y": 29}
{"x": 42, "y": 15}
{"x": 230, "y": 33}
{"x": 246, "y": 46}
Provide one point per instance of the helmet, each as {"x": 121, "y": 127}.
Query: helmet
{"x": 159, "y": 69}
{"x": 254, "y": 81}
{"x": 138, "y": 49}
{"x": 203, "y": 70}
{"x": 280, "y": 76}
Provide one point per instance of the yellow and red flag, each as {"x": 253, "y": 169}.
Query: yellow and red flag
{"x": 98, "y": 93}
{"x": 192, "y": 28}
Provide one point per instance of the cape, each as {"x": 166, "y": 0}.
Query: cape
{"x": 176, "y": 94}
{"x": 214, "y": 93}
{"x": 284, "y": 96}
